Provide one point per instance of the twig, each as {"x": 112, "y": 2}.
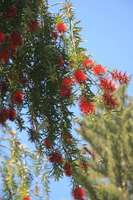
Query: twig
{"x": 55, "y": 4}
{"x": 6, "y": 147}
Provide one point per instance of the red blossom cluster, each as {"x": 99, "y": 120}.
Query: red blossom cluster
{"x": 15, "y": 40}
{"x": 79, "y": 76}
{"x": 18, "y": 77}
{"x": 61, "y": 27}
{"x": 90, "y": 152}
{"x": 84, "y": 166}
{"x": 2, "y": 38}
{"x": 55, "y": 158}
{"x": 10, "y": 40}
{"x": 60, "y": 61}
{"x": 118, "y": 76}
{"x": 88, "y": 63}
{"x": 6, "y": 114}
{"x": 55, "y": 35}
{"x": 26, "y": 198}
{"x": 3, "y": 57}
{"x": 78, "y": 193}
{"x": 66, "y": 138}
{"x": 107, "y": 85}
{"x": 99, "y": 70}
{"x": 110, "y": 100}
{"x": 68, "y": 169}
{"x": 34, "y": 26}
{"x": 9, "y": 13}
{"x": 67, "y": 82}
{"x": 18, "y": 97}
{"x": 23, "y": 81}
{"x": 47, "y": 143}
{"x": 85, "y": 105}
{"x": 65, "y": 91}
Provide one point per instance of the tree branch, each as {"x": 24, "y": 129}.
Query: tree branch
{"x": 6, "y": 147}
{"x": 55, "y": 4}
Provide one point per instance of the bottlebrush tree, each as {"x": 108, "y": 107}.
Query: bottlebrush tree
{"x": 43, "y": 73}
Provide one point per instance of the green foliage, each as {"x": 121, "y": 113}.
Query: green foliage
{"x": 23, "y": 172}
{"x": 112, "y": 140}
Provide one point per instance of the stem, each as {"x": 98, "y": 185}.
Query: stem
{"x": 72, "y": 37}
{"x": 6, "y": 147}
{"x": 55, "y": 4}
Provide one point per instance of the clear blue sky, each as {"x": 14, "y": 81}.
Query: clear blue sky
{"x": 108, "y": 28}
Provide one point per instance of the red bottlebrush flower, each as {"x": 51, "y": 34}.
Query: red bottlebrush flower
{"x": 4, "y": 115}
{"x": 15, "y": 39}
{"x": 18, "y": 97}
{"x": 67, "y": 82}
{"x": 90, "y": 152}
{"x": 84, "y": 166}
{"x": 109, "y": 100}
{"x": 11, "y": 47}
{"x": 66, "y": 138}
{"x": 23, "y": 80}
{"x": 60, "y": 61}
{"x": 55, "y": 158}
{"x": 15, "y": 56}
{"x": 47, "y": 143}
{"x": 3, "y": 57}
{"x": 26, "y": 198}
{"x": 78, "y": 193}
{"x": 79, "y": 76}
{"x": 65, "y": 92}
{"x": 88, "y": 63}
{"x": 68, "y": 169}
{"x": 9, "y": 13}
{"x": 115, "y": 75}
{"x": 2, "y": 38}
{"x": 122, "y": 78}
{"x": 61, "y": 27}
{"x": 107, "y": 85}
{"x": 34, "y": 26}
{"x": 55, "y": 35}
{"x": 12, "y": 114}
{"x": 99, "y": 70}
{"x": 86, "y": 106}
{"x": 3, "y": 88}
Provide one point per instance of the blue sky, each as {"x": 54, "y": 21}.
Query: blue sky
{"x": 108, "y": 28}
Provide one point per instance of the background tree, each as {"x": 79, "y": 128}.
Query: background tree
{"x": 112, "y": 140}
